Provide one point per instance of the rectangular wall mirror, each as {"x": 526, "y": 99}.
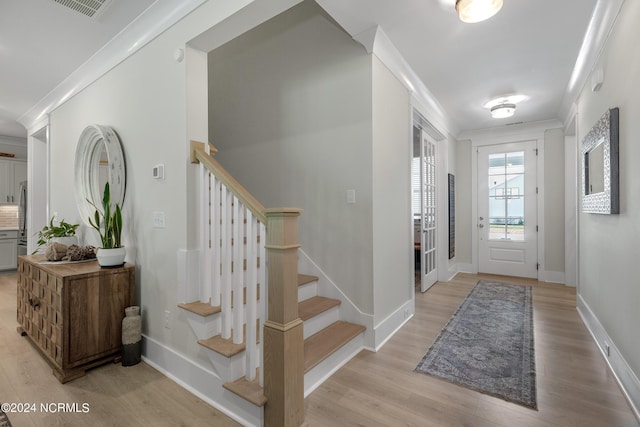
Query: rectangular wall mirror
{"x": 600, "y": 170}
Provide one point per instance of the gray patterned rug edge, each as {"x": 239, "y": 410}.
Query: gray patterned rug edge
{"x": 488, "y": 344}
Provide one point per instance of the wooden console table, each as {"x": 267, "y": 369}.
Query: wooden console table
{"x": 73, "y": 312}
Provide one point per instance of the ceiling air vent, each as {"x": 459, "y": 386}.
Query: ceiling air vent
{"x": 90, "y": 8}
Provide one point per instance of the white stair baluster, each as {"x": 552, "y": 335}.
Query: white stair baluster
{"x": 205, "y": 250}
{"x": 252, "y": 296}
{"x": 227, "y": 259}
{"x": 238, "y": 271}
{"x": 215, "y": 241}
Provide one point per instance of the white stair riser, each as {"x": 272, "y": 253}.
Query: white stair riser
{"x": 228, "y": 368}
{"x": 203, "y": 327}
{"x": 206, "y": 326}
{"x": 308, "y": 290}
{"x": 321, "y": 321}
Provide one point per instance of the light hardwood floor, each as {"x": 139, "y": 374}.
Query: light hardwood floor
{"x": 575, "y": 388}
{"x": 116, "y": 395}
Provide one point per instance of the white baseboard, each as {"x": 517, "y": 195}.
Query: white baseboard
{"x": 626, "y": 378}
{"x": 467, "y": 268}
{"x": 200, "y": 381}
{"x": 543, "y": 276}
{"x": 387, "y": 328}
{"x": 551, "y": 276}
{"x": 449, "y": 273}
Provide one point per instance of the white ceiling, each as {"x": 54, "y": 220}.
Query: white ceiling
{"x": 42, "y": 42}
{"x": 530, "y": 47}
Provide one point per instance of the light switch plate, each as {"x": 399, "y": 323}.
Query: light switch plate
{"x": 158, "y": 220}
{"x": 351, "y": 196}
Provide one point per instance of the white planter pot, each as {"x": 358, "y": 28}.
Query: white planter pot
{"x": 111, "y": 257}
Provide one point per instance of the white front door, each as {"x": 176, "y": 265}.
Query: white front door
{"x": 507, "y": 209}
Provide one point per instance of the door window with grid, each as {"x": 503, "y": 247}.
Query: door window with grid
{"x": 506, "y": 196}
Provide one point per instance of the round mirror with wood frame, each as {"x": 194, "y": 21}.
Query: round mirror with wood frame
{"x": 99, "y": 158}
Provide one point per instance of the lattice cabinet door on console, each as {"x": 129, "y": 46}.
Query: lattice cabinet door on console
{"x": 73, "y": 312}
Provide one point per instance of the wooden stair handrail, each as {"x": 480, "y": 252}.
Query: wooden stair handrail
{"x": 199, "y": 155}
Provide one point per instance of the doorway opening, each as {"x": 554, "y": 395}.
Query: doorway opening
{"x": 424, "y": 208}
{"x": 37, "y": 184}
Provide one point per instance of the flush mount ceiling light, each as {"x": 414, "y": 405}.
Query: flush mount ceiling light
{"x": 504, "y": 106}
{"x": 477, "y": 10}
{"x": 502, "y": 111}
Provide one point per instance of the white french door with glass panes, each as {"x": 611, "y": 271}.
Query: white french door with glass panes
{"x": 507, "y": 209}
{"x": 428, "y": 197}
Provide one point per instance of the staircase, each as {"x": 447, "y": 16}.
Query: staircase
{"x": 328, "y": 341}
{"x": 271, "y": 355}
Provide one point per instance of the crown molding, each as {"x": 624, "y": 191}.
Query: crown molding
{"x": 375, "y": 41}
{"x": 602, "y": 21}
{"x": 158, "y": 17}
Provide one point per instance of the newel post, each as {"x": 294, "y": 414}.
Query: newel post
{"x": 283, "y": 337}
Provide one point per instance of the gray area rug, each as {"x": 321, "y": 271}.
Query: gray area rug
{"x": 487, "y": 345}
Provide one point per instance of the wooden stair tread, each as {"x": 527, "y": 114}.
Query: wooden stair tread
{"x": 303, "y": 279}
{"x": 203, "y": 309}
{"x": 321, "y": 345}
{"x": 248, "y": 390}
{"x": 313, "y": 306}
{"x": 223, "y": 346}
{"x": 226, "y": 346}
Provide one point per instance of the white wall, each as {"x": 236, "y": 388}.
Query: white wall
{"x": 291, "y": 114}
{"x": 609, "y": 254}
{"x": 463, "y": 203}
{"x": 571, "y": 209}
{"x": 144, "y": 100}
{"x": 554, "y": 222}
{"x": 392, "y": 221}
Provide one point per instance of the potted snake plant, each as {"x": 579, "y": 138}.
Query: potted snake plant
{"x": 107, "y": 221}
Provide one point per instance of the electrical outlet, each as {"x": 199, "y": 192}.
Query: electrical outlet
{"x": 167, "y": 319}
